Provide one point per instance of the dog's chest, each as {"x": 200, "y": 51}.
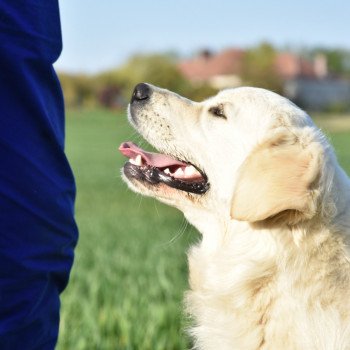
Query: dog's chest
{"x": 230, "y": 299}
{"x": 241, "y": 301}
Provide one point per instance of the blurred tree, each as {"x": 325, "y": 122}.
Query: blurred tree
{"x": 199, "y": 92}
{"x": 338, "y": 60}
{"x": 109, "y": 87}
{"x": 259, "y": 68}
{"x": 113, "y": 89}
{"x": 78, "y": 90}
{"x": 159, "y": 70}
{"x": 110, "y": 97}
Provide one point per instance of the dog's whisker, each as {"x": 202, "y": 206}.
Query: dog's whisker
{"x": 156, "y": 208}
{"x": 178, "y": 234}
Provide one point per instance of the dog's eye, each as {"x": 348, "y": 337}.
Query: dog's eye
{"x": 217, "y": 111}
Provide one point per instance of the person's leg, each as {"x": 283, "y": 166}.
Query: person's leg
{"x": 37, "y": 227}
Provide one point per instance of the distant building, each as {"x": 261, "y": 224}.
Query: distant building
{"x": 220, "y": 70}
{"x": 291, "y": 66}
{"x": 319, "y": 94}
{"x": 307, "y": 82}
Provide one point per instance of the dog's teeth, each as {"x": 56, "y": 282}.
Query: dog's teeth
{"x": 179, "y": 172}
{"x": 136, "y": 161}
{"x": 167, "y": 171}
{"x": 191, "y": 170}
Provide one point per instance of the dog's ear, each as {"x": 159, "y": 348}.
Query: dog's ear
{"x": 277, "y": 180}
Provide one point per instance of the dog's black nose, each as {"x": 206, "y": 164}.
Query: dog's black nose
{"x": 142, "y": 92}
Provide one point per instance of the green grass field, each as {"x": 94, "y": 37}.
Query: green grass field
{"x": 130, "y": 270}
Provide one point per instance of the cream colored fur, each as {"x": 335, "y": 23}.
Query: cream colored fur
{"x": 272, "y": 270}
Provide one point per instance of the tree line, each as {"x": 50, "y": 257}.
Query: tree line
{"x": 113, "y": 88}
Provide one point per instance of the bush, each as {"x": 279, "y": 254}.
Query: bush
{"x": 338, "y": 108}
{"x": 112, "y": 89}
{"x": 259, "y": 68}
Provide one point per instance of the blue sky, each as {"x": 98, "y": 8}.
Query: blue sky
{"x": 102, "y": 34}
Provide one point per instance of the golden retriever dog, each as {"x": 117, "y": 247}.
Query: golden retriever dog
{"x": 261, "y": 183}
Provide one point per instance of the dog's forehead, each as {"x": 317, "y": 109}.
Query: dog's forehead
{"x": 250, "y": 95}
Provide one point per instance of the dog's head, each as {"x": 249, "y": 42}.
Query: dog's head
{"x": 246, "y": 153}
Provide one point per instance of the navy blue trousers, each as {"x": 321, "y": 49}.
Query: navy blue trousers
{"x": 37, "y": 190}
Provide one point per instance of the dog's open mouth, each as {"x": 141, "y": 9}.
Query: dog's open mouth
{"x": 157, "y": 168}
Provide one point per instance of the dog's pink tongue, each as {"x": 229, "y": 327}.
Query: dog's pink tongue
{"x": 158, "y": 160}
